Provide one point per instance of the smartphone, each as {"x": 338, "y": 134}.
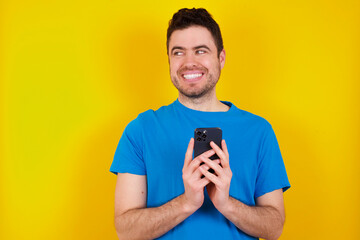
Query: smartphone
{"x": 203, "y": 137}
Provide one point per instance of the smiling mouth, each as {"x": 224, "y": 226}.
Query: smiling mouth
{"x": 192, "y": 76}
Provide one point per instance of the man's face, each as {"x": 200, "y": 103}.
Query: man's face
{"x": 195, "y": 65}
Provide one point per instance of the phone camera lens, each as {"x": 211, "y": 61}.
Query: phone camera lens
{"x": 204, "y": 135}
{"x": 198, "y": 133}
{"x": 199, "y": 139}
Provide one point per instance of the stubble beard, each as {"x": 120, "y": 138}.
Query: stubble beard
{"x": 196, "y": 93}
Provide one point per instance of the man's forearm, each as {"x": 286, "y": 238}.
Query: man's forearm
{"x": 259, "y": 221}
{"x": 150, "y": 223}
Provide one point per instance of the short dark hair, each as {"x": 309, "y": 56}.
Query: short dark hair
{"x": 185, "y": 18}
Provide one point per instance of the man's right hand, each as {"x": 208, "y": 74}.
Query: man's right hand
{"x": 192, "y": 177}
{"x": 133, "y": 220}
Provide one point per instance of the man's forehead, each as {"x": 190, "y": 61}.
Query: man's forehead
{"x": 191, "y": 37}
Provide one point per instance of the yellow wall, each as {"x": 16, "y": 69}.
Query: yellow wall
{"x": 74, "y": 73}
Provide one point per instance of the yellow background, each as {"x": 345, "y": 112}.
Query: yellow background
{"x": 74, "y": 73}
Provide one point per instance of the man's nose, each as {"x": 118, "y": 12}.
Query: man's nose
{"x": 190, "y": 60}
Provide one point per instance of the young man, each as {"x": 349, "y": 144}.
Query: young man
{"x": 162, "y": 194}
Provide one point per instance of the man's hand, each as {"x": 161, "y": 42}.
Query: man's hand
{"x": 219, "y": 187}
{"x": 265, "y": 220}
{"x": 194, "y": 183}
{"x": 133, "y": 220}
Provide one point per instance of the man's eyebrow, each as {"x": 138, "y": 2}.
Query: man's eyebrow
{"x": 177, "y": 48}
{"x": 194, "y": 48}
{"x": 202, "y": 46}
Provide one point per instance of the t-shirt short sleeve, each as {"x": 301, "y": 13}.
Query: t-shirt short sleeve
{"x": 271, "y": 170}
{"x": 128, "y": 156}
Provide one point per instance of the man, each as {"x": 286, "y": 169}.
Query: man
{"x": 162, "y": 194}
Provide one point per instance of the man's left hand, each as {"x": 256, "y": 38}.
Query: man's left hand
{"x": 219, "y": 186}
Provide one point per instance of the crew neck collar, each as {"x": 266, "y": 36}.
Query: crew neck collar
{"x": 190, "y": 110}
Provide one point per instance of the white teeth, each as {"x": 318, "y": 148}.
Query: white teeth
{"x": 192, "y": 76}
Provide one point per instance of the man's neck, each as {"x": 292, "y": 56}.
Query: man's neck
{"x": 205, "y": 104}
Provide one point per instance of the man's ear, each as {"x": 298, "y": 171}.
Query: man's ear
{"x": 222, "y": 56}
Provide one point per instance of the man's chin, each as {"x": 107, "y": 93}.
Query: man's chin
{"x": 193, "y": 94}
{"x": 193, "y": 91}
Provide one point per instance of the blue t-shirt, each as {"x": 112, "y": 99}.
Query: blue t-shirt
{"x": 154, "y": 144}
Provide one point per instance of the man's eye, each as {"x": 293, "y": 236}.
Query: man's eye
{"x": 178, "y": 53}
{"x": 200, "y": 51}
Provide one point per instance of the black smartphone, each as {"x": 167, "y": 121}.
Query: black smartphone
{"x": 203, "y": 137}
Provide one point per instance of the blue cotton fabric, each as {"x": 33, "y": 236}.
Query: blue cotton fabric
{"x": 154, "y": 144}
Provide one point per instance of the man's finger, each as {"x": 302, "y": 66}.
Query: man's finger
{"x": 198, "y": 174}
{"x": 208, "y": 175}
{"x": 212, "y": 164}
{"x": 189, "y": 153}
{"x": 196, "y": 161}
{"x": 220, "y": 153}
{"x": 225, "y": 150}
{"x": 203, "y": 182}
{"x": 208, "y": 153}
